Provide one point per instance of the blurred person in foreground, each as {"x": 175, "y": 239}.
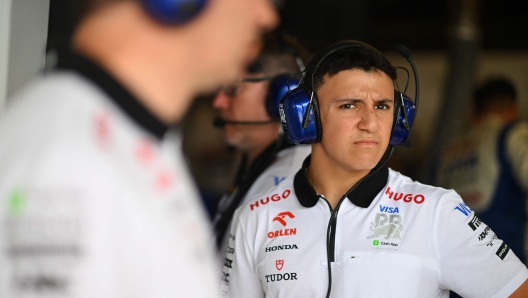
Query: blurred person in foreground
{"x": 488, "y": 165}
{"x": 345, "y": 225}
{"x": 250, "y": 120}
{"x": 97, "y": 199}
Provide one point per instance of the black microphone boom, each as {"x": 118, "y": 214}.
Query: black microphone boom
{"x": 405, "y": 52}
{"x": 220, "y": 122}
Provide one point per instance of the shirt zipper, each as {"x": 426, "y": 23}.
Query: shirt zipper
{"x": 333, "y": 223}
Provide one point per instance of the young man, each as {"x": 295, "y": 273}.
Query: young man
{"x": 249, "y": 111}
{"x": 345, "y": 225}
{"x": 488, "y": 166}
{"x": 96, "y": 198}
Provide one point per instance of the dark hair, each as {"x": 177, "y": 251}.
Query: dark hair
{"x": 277, "y": 56}
{"x": 494, "y": 90}
{"x": 355, "y": 57}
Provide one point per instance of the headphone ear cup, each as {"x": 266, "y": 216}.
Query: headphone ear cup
{"x": 173, "y": 12}
{"x": 278, "y": 87}
{"x": 402, "y": 125}
{"x": 292, "y": 109}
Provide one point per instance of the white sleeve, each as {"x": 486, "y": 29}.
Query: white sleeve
{"x": 473, "y": 261}
{"x": 239, "y": 278}
{"x": 517, "y": 146}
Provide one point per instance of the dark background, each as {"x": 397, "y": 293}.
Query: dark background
{"x": 419, "y": 24}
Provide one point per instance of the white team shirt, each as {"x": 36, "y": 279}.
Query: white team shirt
{"x": 287, "y": 162}
{"x": 93, "y": 204}
{"x": 472, "y": 167}
{"x": 398, "y": 239}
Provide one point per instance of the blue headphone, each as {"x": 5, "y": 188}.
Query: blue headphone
{"x": 299, "y": 108}
{"x": 173, "y": 12}
{"x": 278, "y": 87}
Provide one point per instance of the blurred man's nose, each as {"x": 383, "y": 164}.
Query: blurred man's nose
{"x": 266, "y": 14}
{"x": 221, "y": 101}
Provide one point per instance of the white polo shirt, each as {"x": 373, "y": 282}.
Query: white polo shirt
{"x": 97, "y": 200}
{"x": 287, "y": 162}
{"x": 392, "y": 238}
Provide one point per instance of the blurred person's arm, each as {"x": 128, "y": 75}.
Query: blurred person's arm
{"x": 517, "y": 146}
{"x": 239, "y": 278}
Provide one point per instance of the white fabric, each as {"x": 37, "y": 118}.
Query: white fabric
{"x": 93, "y": 205}
{"x": 413, "y": 240}
{"x": 288, "y": 161}
{"x": 474, "y": 157}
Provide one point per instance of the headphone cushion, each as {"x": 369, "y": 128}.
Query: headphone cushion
{"x": 402, "y": 129}
{"x": 292, "y": 110}
{"x": 278, "y": 87}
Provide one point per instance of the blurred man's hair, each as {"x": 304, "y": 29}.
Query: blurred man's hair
{"x": 277, "y": 56}
{"x": 81, "y": 8}
{"x": 494, "y": 91}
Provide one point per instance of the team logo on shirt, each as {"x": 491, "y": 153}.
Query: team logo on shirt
{"x": 388, "y": 227}
{"x": 464, "y": 209}
{"x": 279, "y": 264}
{"x": 285, "y": 232}
{"x": 407, "y": 198}
{"x": 281, "y": 247}
{"x": 280, "y": 217}
{"x": 273, "y": 198}
{"x": 474, "y": 223}
{"x": 503, "y": 251}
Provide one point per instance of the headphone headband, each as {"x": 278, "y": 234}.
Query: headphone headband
{"x": 316, "y": 61}
{"x": 300, "y": 112}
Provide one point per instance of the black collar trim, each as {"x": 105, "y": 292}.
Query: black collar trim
{"x": 117, "y": 92}
{"x": 362, "y": 196}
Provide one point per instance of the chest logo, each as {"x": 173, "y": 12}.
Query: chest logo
{"x": 280, "y": 217}
{"x": 279, "y": 264}
{"x": 464, "y": 209}
{"x": 389, "y": 226}
{"x": 273, "y": 198}
{"x": 407, "y": 198}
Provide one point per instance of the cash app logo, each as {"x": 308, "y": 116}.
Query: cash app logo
{"x": 375, "y": 242}
{"x": 17, "y": 201}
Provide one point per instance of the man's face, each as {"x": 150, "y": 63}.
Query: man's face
{"x": 356, "y": 109}
{"x": 245, "y": 101}
{"x": 232, "y": 35}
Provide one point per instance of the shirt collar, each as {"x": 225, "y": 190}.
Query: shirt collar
{"x": 116, "y": 92}
{"x": 361, "y": 196}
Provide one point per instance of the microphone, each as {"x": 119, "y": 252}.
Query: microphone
{"x": 406, "y": 53}
{"x": 221, "y": 122}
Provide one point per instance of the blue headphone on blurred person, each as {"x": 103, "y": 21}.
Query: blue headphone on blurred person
{"x": 173, "y": 12}
{"x": 299, "y": 108}
{"x": 278, "y": 87}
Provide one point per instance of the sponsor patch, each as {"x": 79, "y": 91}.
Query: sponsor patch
{"x": 280, "y": 217}
{"x": 503, "y": 251}
{"x": 273, "y": 198}
{"x": 282, "y": 233}
{"x": 225, "y": 277}
{"x": 228, "y": 263}
{"x": 407, "y": 198}
{"x": 388, "y": 227}
{"x": 464, "y": 209}
{"x": 279, "y": 277}
{"x": 474, "y": 223}
{"x": 279, "y": 264}
{"x": 281, "y": 247}
{"x": 388, "y": 209}
{"x": 278, "y": 179}
{"x": 484, "y": 234}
